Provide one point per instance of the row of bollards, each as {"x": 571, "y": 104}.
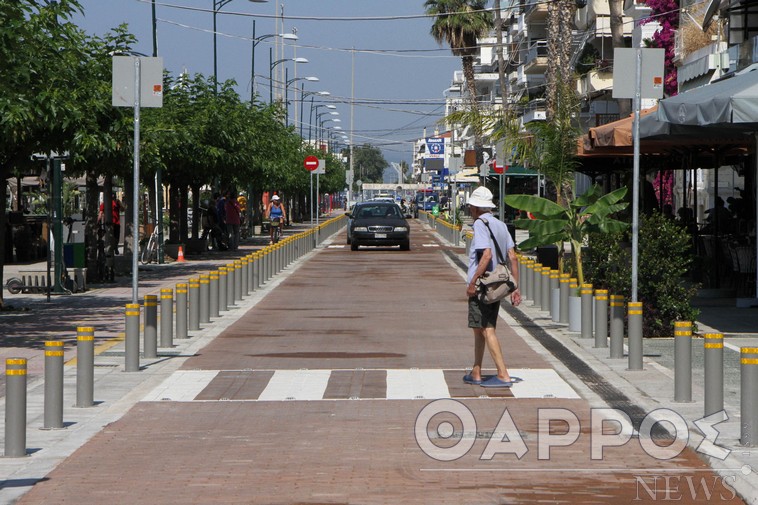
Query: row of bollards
{"x": 603, "y": 317}
{"x": 196, "y": 302}
{"x": 585, "y": 310}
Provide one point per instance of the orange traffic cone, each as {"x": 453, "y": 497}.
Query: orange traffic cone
{"x": 180, "y": 256}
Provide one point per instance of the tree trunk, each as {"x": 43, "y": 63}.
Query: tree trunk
{"x": 108, "y": 216}
{"x": 89, "y": 215}
{"x": 183, "y": 214}
{"x": 196, "y": 211}
{"x": 559, "y": 22}
{"x": 617, "y": 37}
{"x": 173, "y": 212}
{"x": 504, "y": 91}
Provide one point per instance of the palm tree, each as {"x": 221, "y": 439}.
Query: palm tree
{"x": 459, "y": 23}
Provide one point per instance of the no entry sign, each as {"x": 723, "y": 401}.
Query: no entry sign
{"x": 310, "y": 163}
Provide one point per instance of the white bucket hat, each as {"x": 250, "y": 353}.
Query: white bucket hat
{"x": 482, "y": 198}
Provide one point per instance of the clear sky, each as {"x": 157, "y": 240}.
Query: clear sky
{"x": 400, "y": 71}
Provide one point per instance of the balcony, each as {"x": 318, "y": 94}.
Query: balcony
{"x": 534, "y": 111}
{"x": 594, "y": 81}
{"x": 536, "y": 58}
{"x": 535, "y": 11}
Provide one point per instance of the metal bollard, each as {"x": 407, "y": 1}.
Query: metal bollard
{"x": 713, "y": 370}
{"x": 586, "y": 295}
{"x": 574, "y": 307}
{"x": 682, "y": 361}
{"x": 237, "y": 281}
{"x": 634, "y": 326}
{"x": 85, "y": 365}
{"x": 181, "y": 311}
{"x": 15, "y": 407}
{"x": 257, "y": 270}
{"x": 563, "y": 307}
{"x": 132, "y": 337}
{"x": 537, "y": 293}
{"x": 545, "y": 302}
{"x": 205, "y": 293}
{"x": 230, "y": 280}
{"x": 223, "y": 279}
{"x": 617, "y": 327}
{"x": 213, "y": 286}
{"x": 53, "y": 385}
{"x": 167, "y": 317}
{"x": 245, "y": 267}
{"x": 151, "y": 326}
{"x": 194, "y": 304}
{"x": 251, "y": 272}
{"x": 555, "y": 296}
{"x": 529, "y": 284}
{"x": 749, "y": 396}
{"x": 601, "y": 318}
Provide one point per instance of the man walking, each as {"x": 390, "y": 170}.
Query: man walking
{"x": 482, "y": 317}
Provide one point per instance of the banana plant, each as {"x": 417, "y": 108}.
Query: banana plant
{"x": 556, "y": 224}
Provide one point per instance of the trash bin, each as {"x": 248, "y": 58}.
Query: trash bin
{"x": 73, "y": 255}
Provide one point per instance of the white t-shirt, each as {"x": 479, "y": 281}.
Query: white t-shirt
{"x": 482, "y": 240}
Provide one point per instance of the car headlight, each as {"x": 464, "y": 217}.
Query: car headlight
{"x": 400, "y": 228}
{"x": 360, "y": 228}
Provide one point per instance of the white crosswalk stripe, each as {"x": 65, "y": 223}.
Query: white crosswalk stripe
{"x": 400, "y": 384}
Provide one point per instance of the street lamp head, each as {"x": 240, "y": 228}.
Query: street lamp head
{"x": 330, "y": 106}
{"x": 323, "y": 93}
{"x": 300, "y": 60}
{"x": 311, "y": 79}
{"x": 288, "y": 36}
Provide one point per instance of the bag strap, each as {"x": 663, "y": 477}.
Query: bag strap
{"x": 500, "y": 258}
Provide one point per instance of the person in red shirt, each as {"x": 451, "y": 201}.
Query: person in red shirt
{"x": 116, "y": 219}
{"x": 232, "y": 209}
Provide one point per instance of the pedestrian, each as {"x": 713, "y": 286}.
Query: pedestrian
{"x": 232, "y": 214}
{"x": 482, "y": 317}
{"x": 115, "y": 219}
{"x": 275, "y": 211}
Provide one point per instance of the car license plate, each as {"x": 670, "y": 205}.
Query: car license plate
{"x": 380, "y": 235}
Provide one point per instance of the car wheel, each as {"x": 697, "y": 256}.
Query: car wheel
{"x": 405, "y": 246}
{"x": 353, "y": 246}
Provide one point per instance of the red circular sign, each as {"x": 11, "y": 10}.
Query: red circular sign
{"x": 310, "y": 163}
{"x": 497, "y": 169}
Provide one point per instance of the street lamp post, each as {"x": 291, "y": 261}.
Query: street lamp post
{"x": 316, "y": 108}
{"x": 256, "y": 40}
{"x": 287, "y": 83}
{"x": 217, "y": 6}
{"x": 321, "y": 124}
{"x": 304, "y": 94}
{"x": 273, "y": 64}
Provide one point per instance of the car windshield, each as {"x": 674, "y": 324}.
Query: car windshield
{"x": 373, "y": 211}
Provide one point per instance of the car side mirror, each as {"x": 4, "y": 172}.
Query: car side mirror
{"x": 349, "y": 214}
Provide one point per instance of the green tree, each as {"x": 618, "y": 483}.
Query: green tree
{"x": 459, "y": 23}
{"x": 41, "y": 53}
{"x": 369, "y": 163}
{"x": 590, "y": 213}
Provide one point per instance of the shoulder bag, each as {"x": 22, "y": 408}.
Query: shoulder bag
{"x": 495, "y": 285}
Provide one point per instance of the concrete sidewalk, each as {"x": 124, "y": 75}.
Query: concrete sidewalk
{"x": 256, "y": 407}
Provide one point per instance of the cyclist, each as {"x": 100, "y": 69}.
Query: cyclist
{"x": 275, "y": 213}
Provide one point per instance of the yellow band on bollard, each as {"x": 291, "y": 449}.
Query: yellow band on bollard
{"x": 181, "y": 291}
{"x": 714, "y": 336}
{"x": 749, "y": 361}
{"x": 54, "y": 354}
{"x": 683, "y": 333}
{"x": 680, "y": 324}
{"x": 15, "y": 361}
{"x": 182, "y": 285}
{"x": 54, "y": 343}
{"x": 713, "y": 346}
{"x": 167, "y": 290}
{"x": 86, "y": 338}
{"x": 15, "y": 372}
{"x": 85, "y": 329}
{"x": 749, "y": 350}
{"x": 132, "y": 305}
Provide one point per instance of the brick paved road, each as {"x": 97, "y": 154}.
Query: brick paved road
{"x": 292, "y": 405}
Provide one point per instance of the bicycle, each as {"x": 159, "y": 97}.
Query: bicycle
{"x": 276, "y": 229}
{"x": 150, "y": 249}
